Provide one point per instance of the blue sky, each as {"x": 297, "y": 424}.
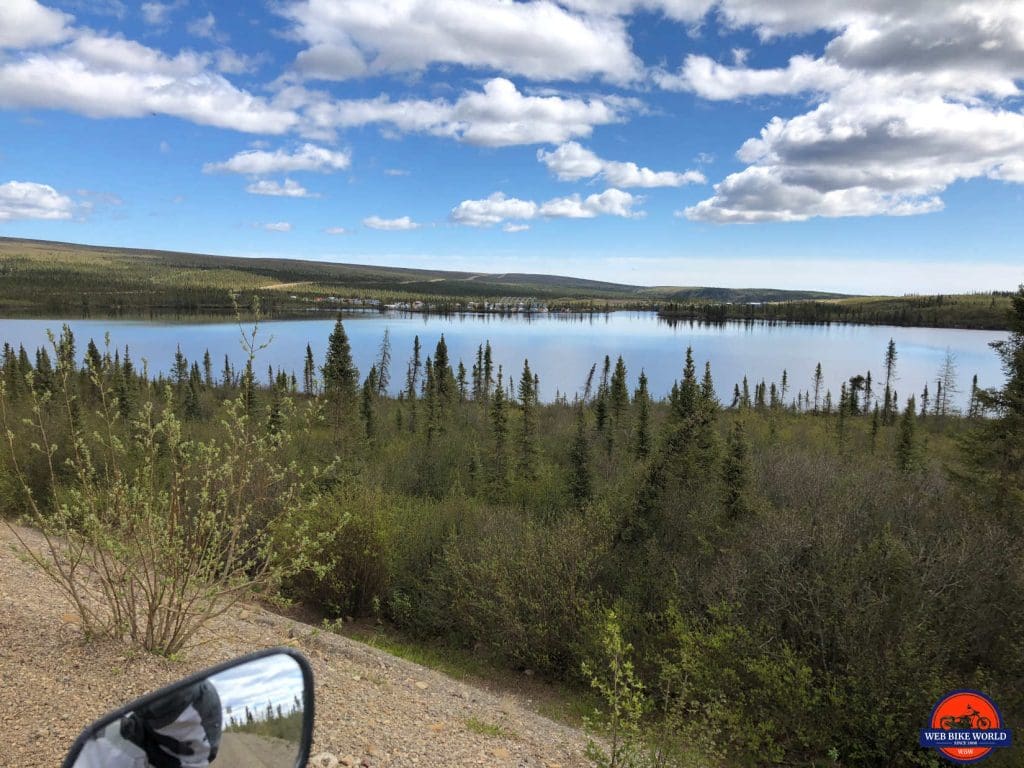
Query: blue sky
{"x": 784, "y": 143}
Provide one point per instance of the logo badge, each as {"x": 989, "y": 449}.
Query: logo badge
{"x": 965, "y": 727}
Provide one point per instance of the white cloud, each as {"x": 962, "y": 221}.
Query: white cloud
{"x": 157, "y": 14}
{"x": 278, "y": 226}
{"x": 336, "y": 231}
{"x": 498, "y": 116}
{"x": 100, "y": 76}
{"x": 402, "y": 223}
{"x": 711, "y": 80}
{"x": 26, "y": 23}
{"x": 515, "y": 227}
{"x": 29, "y": 200}
{"x": 308, "y": 157}
{"x": 204, "y": 26}
{"x": 910, "y": 98}
{"x": 497, "y": 208}
{"x": 537, "y": 39}
{"x": 611, "y": 202}
{"x": 492, "y": 210}
{"x": 572, "y": 162}
{"x": 274, "y": 189}
{"x": 395, "y": 172}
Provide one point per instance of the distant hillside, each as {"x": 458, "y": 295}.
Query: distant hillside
{"x": 38, "y": 277}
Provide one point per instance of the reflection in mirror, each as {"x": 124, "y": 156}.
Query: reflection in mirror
{"x": 248, "y": 715}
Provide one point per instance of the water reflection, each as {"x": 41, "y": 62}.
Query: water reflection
{"x": 562, "y": 348}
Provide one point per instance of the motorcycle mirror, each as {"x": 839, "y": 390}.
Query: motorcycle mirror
{"x": 256, "y": 710}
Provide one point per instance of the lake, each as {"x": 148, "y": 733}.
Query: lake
{"x": 562, "y": 348}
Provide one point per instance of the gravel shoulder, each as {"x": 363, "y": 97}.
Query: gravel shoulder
{"x": 372, "y": 709}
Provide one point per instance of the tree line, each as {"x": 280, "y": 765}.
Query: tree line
{"x": 795, "y": 576}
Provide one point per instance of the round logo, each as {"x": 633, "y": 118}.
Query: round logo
{"x": 965, "y": 727}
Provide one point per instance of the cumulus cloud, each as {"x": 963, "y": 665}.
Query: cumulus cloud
{"x": 572, "y": 162}
{"x": 515, "y": 227}
{"x": 101, "y": 76}
{"x": 493, "y": 210}
{"x": 497, "y": 208}
{"x": 29, "y": 200}
{"x": 288, "y": 189}
{"x": 402, "y": 223}
{"x": 157, "y": 14}
{"x": 536, "y": 39}
{"x": 25, "y": 23}
{"x": 336, "y": 231}
{"x": 908, "y": 99}
{"x": 498, "y": 116}
{"x": 308, "y": 157}
{"x": 611, "y": 202}
{"x": 277, "y": 226}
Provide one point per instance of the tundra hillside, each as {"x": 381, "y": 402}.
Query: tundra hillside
{"x": 39, "y": 278}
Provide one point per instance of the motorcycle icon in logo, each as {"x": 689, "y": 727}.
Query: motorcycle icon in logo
{"x": 972, "y": 719}
{"x": 965, "y": 727}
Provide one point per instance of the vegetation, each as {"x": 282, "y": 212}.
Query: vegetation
{"x": 791, "y": 578}
{"x": 975, "y": 310}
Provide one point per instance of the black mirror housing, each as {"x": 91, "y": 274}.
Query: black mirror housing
{"x": 260, "y": 705}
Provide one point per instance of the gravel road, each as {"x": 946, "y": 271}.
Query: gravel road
{"x": 372, "y": 709}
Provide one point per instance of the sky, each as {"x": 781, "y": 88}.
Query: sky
{"x": 863, "y": 147}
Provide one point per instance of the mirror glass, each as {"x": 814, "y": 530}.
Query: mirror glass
{"x": 250, "y": 715}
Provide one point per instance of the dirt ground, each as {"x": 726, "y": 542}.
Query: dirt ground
{"x": 372, "y": 709}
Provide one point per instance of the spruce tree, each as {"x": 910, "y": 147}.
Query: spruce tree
{"x": 619, "y": 391}
{"x": 993, "y": 460}
{"x": 384, "y": 365}
{"x": 460, "y": 381}
{"x": 367, "y": 406}
{"x": 527, "y": 437}
{"x": 688, "y": 399}
{"x": 579, "y": 461}
{"x": 340, "y": 376}
{"x": 642, "y": 441}
{"x": 309, "y": 372}
{"x": 889, "y": 402}
{"x": 207, "y": 370}
{"x": 707, "y": 389}
{"x": 819, "y": 381}
{"x": 499, "y": 434}
{"x": 907, "y": 451}
{"x": 735, "y": 471}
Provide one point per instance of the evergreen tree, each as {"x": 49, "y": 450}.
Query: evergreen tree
{"x": 367, "y": 407}
{"x": 45, "y": 380}
{"x": 309, "y": 373}
{"x": 735, "y": 471}
{"x": 707, "y": 389}
{"x": 736, "y": 397}
{"x": 180, "y": 370}
{"x": 413, "y": 371}
{"x": 745, "y": 395}
{"x": 819, "y": 381}
{"x": 432, "y": 400}
{"x": 579, "y": 461}
{"x": 488, "y": 371}
{"x": 924, "y": 401}
{"x": 460, "y": 381}
{"x": 93, "y": 358}
{"x": 907, "y": 450}
{"x": 499, "y": 434}
{"x": 619, "y": 391}
{"x": 527, "y": 438}
{"x": 340, "y": 376}
{"x": 384, "y": 365}
{"x": 889, "y": 400}
{"x": 875, "y": 423}
{"x": 974, "y": 405}
{"x": 444, "y": 378}
{"x": 207, "y": 370}
{"x": 785, "y": 387}
{"x": 478, "y": 374}
{"x": 688, "y": 399}
{"x": 642, "y": 441}
{"x": 869, "y": 394}
{"x": 227, "y": 374}
{"x": 993, "y": 463}
{"x": 248, "y": 389}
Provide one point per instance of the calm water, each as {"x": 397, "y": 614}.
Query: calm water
{"x": 561, "y": 349}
